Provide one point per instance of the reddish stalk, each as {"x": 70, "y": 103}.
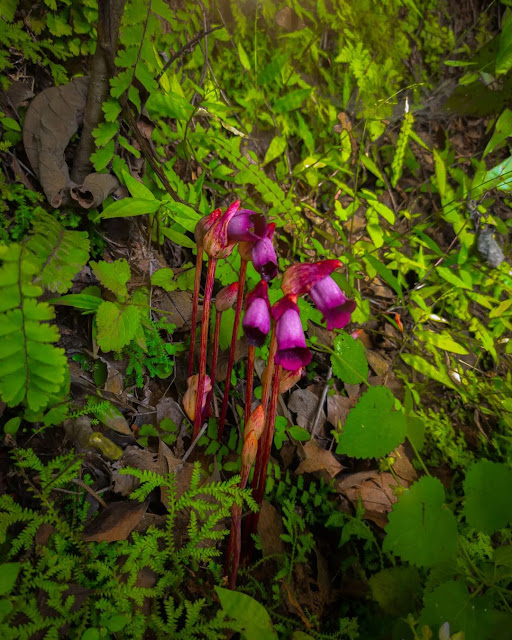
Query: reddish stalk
{"x": 195, "y": 304}
{"x": 216, "y": 337}
{"x": 212, "y": 264}
{"x": 250, "y": 382}
{"x": 235, "y": 538}
{"x": 238, "y": 314}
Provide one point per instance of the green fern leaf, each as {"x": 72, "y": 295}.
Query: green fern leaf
{"x": 31, "y": 368}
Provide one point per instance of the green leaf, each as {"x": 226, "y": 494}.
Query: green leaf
{"x": 504, "y": 54}
{"x": 500, "y": 176}
{"x": 415, "y": 430}
{"x": 440, "y": 170}
{"x": 101, "y": 157}
{"x": 384, "y": 273}
{"x": 164, "y": 278}
{"x": 449, "y": 276}
{"x": 290, "y": 101}
{"x": 136, "y": 188}
{"x": 247, "y": 612}
{"x": 117, "y": 622}
{"x": 80, "y": 301}
{"x": 105, "y": 132}
{"x": 502, "y": 130}
{"x": 348, "y": 361}
{"x": 488, "y": 505}
{"x": 442, "y": 340}
{"x": 130, "y": 207}
{"x": 372, "y": 428}
{"x": 11, "y": 124}
{"x": 171, "y": 105}
{"x": 117, "y": 325}
{"x": 91, "y": 634}
{"x": 244, "y": 58}
{"x": 8, "y": 576}
{"x": 179, "y": 238}
{"x": 299, "y": 433}
{"x": 113, "y": 275}
{"x": 11, "y": 427}
{"x": 424, "y": 367}
{"x": 275, "y": 149}
{"x": 421, "y": 530}
{"x": 396, "y": 589}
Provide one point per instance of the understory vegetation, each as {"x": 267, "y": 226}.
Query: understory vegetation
{"x": 330, "y": 455}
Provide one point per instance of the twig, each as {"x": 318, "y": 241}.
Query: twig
{"x": 321, "y": 403}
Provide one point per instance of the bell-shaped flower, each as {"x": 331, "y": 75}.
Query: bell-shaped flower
{"x": 292, "y": 352}
{"x": 331, "y": 301}
{"x": 204, "y": 225}
{"x": 299, "y": 278}
{"x": 256, "y": 322}
{"x": 226, "y": 297}
{"x": 216, "y": 242}
{"x": 247, "y": 226}
{"x": 189, "y": 399}
{"x": 263, "y": 255}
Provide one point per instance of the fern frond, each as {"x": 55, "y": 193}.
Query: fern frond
{"x": 60, "y": 253}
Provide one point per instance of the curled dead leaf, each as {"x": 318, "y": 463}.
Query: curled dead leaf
{"x": 116, "y": 522}
{"x": 374, "y": 489}
{"x": 318, "y": 459}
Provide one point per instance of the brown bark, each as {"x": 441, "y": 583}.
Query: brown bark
{"x": 109, "y": 20}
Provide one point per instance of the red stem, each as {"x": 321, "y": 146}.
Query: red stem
{"x": 216, "y": 337}
{"x": 210, "y": 274}
{"x": 238, "y": 313}
{"x": 235, "y": 538}
{"x": 195, "y": 302}
{"x": 250, "y": 380}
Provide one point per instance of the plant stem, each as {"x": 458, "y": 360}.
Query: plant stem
{"x": 212, "y": 264}
{"x": 216, "y": 337}
{"x": 195, "y": 303}
{"x": 250, "y": 379}
{"x": 238, "y": 313}
{"x": 235, "y": 538}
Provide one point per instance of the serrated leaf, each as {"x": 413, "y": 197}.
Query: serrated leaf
{"x": 117, "y": 325}
{"x": 113, "y": 275}
{"x": 421, "y": 530}
{"x": 164, "y": 278}
{"x": 372, "y": 428}
{"x": 348, "y": 361}
{"x": 101, "y": 157}
{"x": 396, "y": 589}
{"x": 248, "y": 612}
{"x": 105, "y": 132}
{"x": 130, "y": 207}
{"x": 488, "y": 505}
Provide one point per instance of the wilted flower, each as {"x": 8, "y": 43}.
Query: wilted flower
{"x": 292, "y": 352}
{"x": 334, "y": 305}
{"x": 249, "y": 450}
{"x": 299, "y": 278}
{"x": 205, "y": 224}
{"x": 246, "y": 226}
{"x": 256, "y": 322}
{"x": 190, "y": 397}
{"x": 263, "y": 255}
{"x": 256, "y": 422}
{"x": 226, "y": 297}
{"x": 216, "y": 242}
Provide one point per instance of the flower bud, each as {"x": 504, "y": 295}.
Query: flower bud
{"x": 204, "y": 225}
{"x": 287, "y": 379}
{"x": 249, "y": 450}
{"x": 189, "y": 399}
{"x": 256, "y": 422}
{"x": 226, "y": 297}
{"x": 216, "y": 242}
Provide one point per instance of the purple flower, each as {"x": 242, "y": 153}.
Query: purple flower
{"x": 216, "y": 242}
{"x": 264, "y": 256}
{"x": 292, "y": 352}
{"x": 299, "y": 278}
{"x": 331, "y": 301}
{"x": 256, "y": 322}
{"x": 247, "y": 226}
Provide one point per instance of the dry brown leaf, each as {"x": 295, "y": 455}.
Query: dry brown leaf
{"x": 177, "y": 305}
{"x": 374, "y": 489}
{"x": 289, "y": 20}
{"x": 318, "y": 459}
{"x": 378, "y": 363}
{"x": 169, "y": 408}
{"x": 270, "y": 528}
{"x": 403, "y": 467}
{"x": 115, "y": 381}
{"x": 338, "y": 407}
{"x": 304, "y": 403}
{"x": 168, "y": 463}
{"x": 139, "y": 459}
{"x": 116, "y": 522}
{"x": 96, "y": 188}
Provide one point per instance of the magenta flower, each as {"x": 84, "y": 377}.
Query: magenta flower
{"x": 292, "y": 352}
{"x": 216, "y": 242}
{"x": 205, "y": 224}
{"x": 256, "y": 322}
{"x": 263, "y": 255}
{"x": 247, "y": 226}
{"x": 330, "y": 300}
{"x": 226, "y": 297}
{"x": 299, "y": 278}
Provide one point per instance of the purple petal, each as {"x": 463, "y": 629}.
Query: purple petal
{"x": 256, "y": 322}
{"x": 264, "y": 259}
{"x": 247, "y": 226}
{"x": 292, "y": 352}
{"x": 331, "y": 301}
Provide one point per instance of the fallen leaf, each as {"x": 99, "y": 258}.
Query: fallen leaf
{"x": 96, "y": 188}
{"x": 168, "y": 463}
{"x": 403, "y": 467}
{"x": 318, "y": 459}
{"x": 289, "y": 20}
{"x": 270, "y": 528}
{"x": 378, "y": 363}
{"x": 116, "y": 522}
{"x": 304, "y": 403}
{"x": 139, "y": 459}
{"x": 374, "y": 489}
{"x": 338, "y": 407}
{"x": 169, "y": 408}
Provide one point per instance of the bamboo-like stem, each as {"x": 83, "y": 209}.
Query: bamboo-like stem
{"x": 216, "y": 337}
{"x": 238, "y": 313}
{"x": 212, "y": 264}
{"x": 195, "y": 304}
{"x": 250, "y": 381}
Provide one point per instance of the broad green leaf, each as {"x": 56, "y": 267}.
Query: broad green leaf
{"x": 299, "y": 433}
{"x": 117, "y": 622}
{"x": 415, "y": 430}
{"x": 384, "y": 211}
{"x": 348, "y": 361}
{"x": 11, "y": 427}
{"x": 501, "y": 309}
{"x": 396, "y": 589}
{"x": 244, "y": 58}
{"x": 247, "y": 612}
{"x": 136, "y": 188}
{"x": 111, "y": 417}
{"x": 371, "y": 166}
{"x": 424, "y": 367}
{"x": 130, "y": 207}
{"x": 441, "y": 340}
{"x": 373, "y": 227}
{"x": 178, "y": 238}
{"x": 421, "y": 530}
{"x": 290, "y": 101}
{"x": 117, "y": 325}
{"x": 487, "y": 487}
{"x": 8, "y": 576}
{"x": 80, "y": 301}
{"x": 372, "y": 428}
{"x": 164, "y": 278}
{"x": 502, "y": 130}
{"x": 275, "y": 149}
{"x": 91, "y": 634}
{"x": 500, "y": 176}
{"x": 452, "y": 278}
{"x": 10, "y": 123}
{"x": 113, "y": 275}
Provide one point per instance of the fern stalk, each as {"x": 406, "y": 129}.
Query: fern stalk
{"x": 238, "y": 314}
{"x": 212, "y": 264}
